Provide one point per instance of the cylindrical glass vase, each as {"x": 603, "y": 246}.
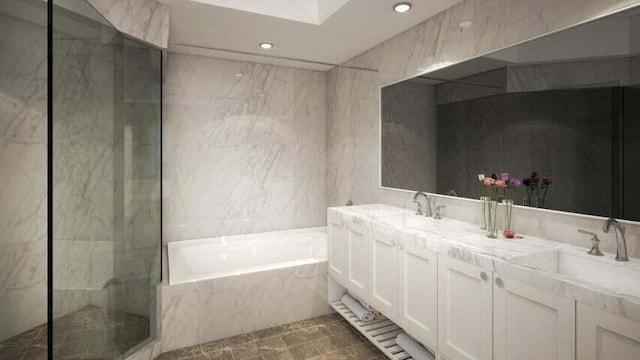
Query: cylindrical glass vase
{"x": 508, "y": 208}
{"x": 492, "y": 223}
{"x": 485, "y": 211}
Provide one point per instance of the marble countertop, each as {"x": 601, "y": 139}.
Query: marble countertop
{"x": 512, "y": 258}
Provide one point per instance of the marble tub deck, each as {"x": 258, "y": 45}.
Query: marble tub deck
{"x": 327, "y": 337}
{"x": 89, "y": 333}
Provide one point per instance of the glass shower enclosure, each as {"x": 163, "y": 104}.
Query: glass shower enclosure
{"x": 105, "y": 186}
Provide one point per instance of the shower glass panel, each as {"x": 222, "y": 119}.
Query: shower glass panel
{"x": 106, "y": 186}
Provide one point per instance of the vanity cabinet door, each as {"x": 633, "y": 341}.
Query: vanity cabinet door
{"x": 464, "y": 310}
{"x": 605, "y": 336}
{"x": 384, "y": 274}
{"x": 418, "y": 293}
{"x": 530, "y": 323}
{"x": 338, "y": 248}
{"x": 358, "y": 261}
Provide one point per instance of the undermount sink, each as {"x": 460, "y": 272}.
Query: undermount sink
{"x": 622, "y": 278}
{"x": 410, "y": 221}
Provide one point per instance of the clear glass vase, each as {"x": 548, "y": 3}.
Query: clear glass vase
{"x": 492, "y": 223}
{"x": 508, "y": 208}
{"x": 485, "y": 211}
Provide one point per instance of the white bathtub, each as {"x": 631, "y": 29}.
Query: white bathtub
{"x": 223, "y": 256}
{"x": 226, "y": 286}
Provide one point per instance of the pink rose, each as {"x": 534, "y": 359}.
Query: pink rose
{"x": 489, "y": 181}
{"x": 500, "y": 184}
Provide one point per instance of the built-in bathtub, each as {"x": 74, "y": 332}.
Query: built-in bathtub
{"x": 223, "y": 256}
{"x": 231, "y": 285}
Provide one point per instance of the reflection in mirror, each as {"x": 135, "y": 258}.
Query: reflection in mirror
{"x": 565, "y": 108}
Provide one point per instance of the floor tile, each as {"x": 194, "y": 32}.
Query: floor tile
{"x": 257, "y": 348}
{"x": 336, "y": 355}
{"x": 324, "y": 338}
{"x": 365, "y": 351}
{"x": 295, "y": 338}
{"x": 228, "y": 342}
{"x": 277, "y": 330}
{"x": 297, "y": 352}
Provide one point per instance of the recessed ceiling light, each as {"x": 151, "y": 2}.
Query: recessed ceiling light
{"x": 402, "y": 7}
{"x": 239, "y": 74}
{"x": 465, "y": 24}
{"x": 266, "y": 45}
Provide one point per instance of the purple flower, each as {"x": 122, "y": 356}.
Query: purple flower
{"x": 494, "y": 176}
{"x": 534, "y": 175}
{"x": 527, "y": 182}
{"x": 515, "y": 182}
{"x": 504, "y": 177}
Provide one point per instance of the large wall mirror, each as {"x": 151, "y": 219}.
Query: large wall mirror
{"x": 560, "y": 114}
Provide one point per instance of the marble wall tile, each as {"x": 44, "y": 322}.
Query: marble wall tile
{"x": 208, "y": 310}
{"x": 146, "y": 20}
{"x": 22, "y": 168}
{"x": 353, "y": 101}
{"x": 244, "y": 148}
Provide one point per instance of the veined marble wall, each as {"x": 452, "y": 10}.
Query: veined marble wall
{"x": 23, "y": 91}
{"x": 244, "y": 148}
{"x": 146, "y": 20}
{"x": 353, "y": 101}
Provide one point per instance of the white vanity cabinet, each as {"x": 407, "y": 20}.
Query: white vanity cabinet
{"x": 338, "y": 246}
{"x": 486, "y": 316}
{"x": 464, "y": 310}
{"x": 530, "y": 323}
{"x": 418, "y": 293}
{"x": 358, "y": 245}
{"x": 605, "y": 336}
{"x": 384, "y": 273}
{"x": 348, "y": 249}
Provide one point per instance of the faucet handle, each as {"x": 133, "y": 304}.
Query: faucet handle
{"x": 595, "y": 243}
{"x": 419, "y": 211}
{"x": 438, "y": 213}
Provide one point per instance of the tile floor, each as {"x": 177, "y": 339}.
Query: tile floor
{"x": 327, "y": 337}
{"x": 89, "y": 333}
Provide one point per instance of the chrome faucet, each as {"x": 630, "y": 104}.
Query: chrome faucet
{"x": 621, "y": 242}
{"x": 427, "y": 201}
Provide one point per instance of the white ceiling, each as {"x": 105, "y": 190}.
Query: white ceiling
{"x": 353, "y": 28}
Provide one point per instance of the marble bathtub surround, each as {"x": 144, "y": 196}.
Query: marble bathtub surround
{"x": 353, "y": 107}
{"x": 192, "y": 313}
{"x": 327, "y": 337}
{"x": 518, "y": 259}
